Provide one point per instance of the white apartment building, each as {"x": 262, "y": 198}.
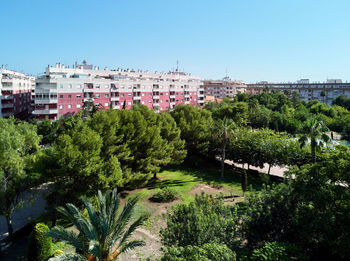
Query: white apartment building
{"x": 223, "y": 88}
{"x": 62, "y": 91}
{"x": 15, "y": 94}
{"x": 322, "y": 91}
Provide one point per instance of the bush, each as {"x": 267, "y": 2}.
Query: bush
{"x": 40, "y": 245}
{"x": 206, "y": 252}
{"x": 276, "y": 251}
{"x": 164, "y": 195}
{"x": 206, "y": 220}
{"x": 58, "y": 252}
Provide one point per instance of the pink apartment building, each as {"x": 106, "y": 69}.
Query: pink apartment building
{"x": 15, "y": 94}
{"x": 62, "y": 91}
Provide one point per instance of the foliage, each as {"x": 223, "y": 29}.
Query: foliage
{"x": 315, "y": 132}
{"x": 105, "y": 233}
{"x": 39, "y": 244}
{"x": 206, "y": 220}
{"x": 276, "y": 251}
{"x": 18, "y": 145}
{"x": 166, "y": 194}
{"x": 223, "y": 132}
{"x": 195, "y": 125}
{"x": 206, "y": 252}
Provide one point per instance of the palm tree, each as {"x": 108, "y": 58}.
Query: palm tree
{"x": 103, "y": 234}
{"x": 315, "y": 131}
{"x": 223, "y": 131}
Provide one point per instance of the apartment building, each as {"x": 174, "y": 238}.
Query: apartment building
{"x": 15, "y": 94}
{"x": 223, "y": 88}
{"x": 322, "y": 91}
{"x": 63, "y": 91}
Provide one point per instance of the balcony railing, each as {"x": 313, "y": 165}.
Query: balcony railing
{"x": 49, "y": 111}
{"x": 114, "y": 98}
{"x": 7, "y": 105}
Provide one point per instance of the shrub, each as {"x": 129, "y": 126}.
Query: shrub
{"x": 164, "y": 195}
{"x": 276, "y": 251}
{"x": 58, "y": 252}
{"x": 206, "y": 252}
{"x": 40, "y": 245}
{"x": 206, "y": 220}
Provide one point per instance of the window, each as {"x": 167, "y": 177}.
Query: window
{"x": 167, "y": 101}
{"x": 69, "y": 96}
{"x": 97, "y": 95}
{"x": 69, "y": 86}
{"x": 61, "y": 96}
{"x": 61, "y": 106}
{"x": 149, "y": 101}
{"x": 78, "y": 95}
{"x": 150, "y": 94}
{"x": 161, "y": 93}
{"x": 97, "y": 86}
{"x": 78, "y": 105}
{"x": 122, "y": 95}
{"x": 143, "y": 94}
{"x": 129, "y": 94}
{"x": 106, "y": 86}
{"x": 166, "y": 94}
{"x": 143, "y": 102}
{"x": 106, "y": 104}
{"x": 79, "y": 86}
{"x": 129, "y": 103}
{"x": 106, "y": 95}
{"x": 61, "y": 86}
{"x": 69, "y": 106}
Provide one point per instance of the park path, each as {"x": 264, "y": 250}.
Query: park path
{"x": 275, "y": 171}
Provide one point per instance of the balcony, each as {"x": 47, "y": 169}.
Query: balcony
{"x": 172, "y": 96}
{"x": 115, "y": 98}
{"x": 114, "y": 90}
{"x": 88, "y": 99}
{"x": 88, "y": 90}
{"x": 156, "y": 97}
{"x": 45, "y": 101}
{"x": 187, "y": 102}
{"x": 7, "y": 105}
{"x": 116, "y": 107}
{"x": 137, "y": 98}
{"x": 155, "y": 104}
{"x": 7, "y": 97}
{"x": 49, "y": 111}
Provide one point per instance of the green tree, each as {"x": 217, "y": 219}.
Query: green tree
{"x": 244, "y": 181}
{"x": 18, "y": 144}
{"x": 104, "y": 234}
{"x": 315, "y": 131}
{"x": 223, "y": 131}
{"x": 195, "y": 125}
{"x": 206, "y": 220}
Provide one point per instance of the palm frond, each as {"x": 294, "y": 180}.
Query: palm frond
{"x": 68, "y": 236}
{"x": 131, "y": 245}
{"x": 68, "y": 257}
{"x": 132, "y": 228}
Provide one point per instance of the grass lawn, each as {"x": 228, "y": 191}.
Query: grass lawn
{"x": 183, "y": 179}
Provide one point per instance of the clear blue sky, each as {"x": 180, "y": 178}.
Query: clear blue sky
{"x": 274, "y": 40}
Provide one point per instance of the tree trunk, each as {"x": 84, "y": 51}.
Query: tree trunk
{"x": 223, "y": 160}
{"x": 313, "y": 153}
{"x": 9, "y": 225}
{"x": 269, "y": 169}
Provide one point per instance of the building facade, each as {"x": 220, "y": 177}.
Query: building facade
{"x": 324, "y": 92}
{"x": 63, "y": 91}
{"x": 15, "y": 94}
{"x": 223, "y": 88}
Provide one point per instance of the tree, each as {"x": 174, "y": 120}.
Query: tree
{"x": 195, "y": 125}
{"x": 103, "y": 234}
{"x": 315, "y": 131}
{"x": 244, "y": 181}
{"x": 18, "y": 144}
{"x": 223, "y": 131}
{"x": 205, "y": 220}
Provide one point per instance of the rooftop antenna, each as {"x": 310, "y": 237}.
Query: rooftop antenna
{"x": 177, "y": 65}
{"x": 226, "y": 73}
